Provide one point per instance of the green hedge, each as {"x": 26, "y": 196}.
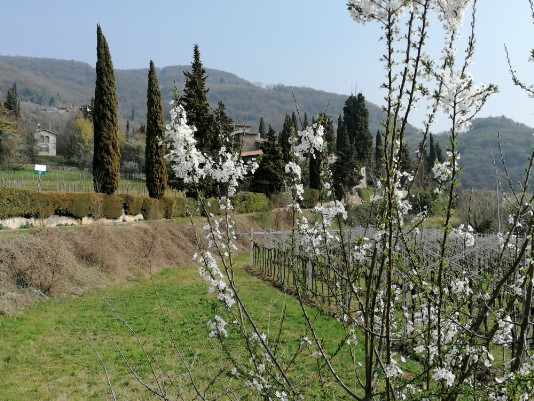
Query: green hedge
{"x": 26, "y": 203}
{"x": 132, "y": 204}
{"x": 250, "y": 203}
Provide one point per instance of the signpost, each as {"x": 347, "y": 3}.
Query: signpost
{"x": 40, "y": 169}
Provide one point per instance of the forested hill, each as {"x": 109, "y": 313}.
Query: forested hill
{"x": 479, "y": 147}
{"x": 61, "y": 83}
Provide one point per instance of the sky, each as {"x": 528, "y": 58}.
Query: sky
{"x": 312, "y": 43}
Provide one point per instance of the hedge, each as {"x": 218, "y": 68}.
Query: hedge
{"x": 26, "y": 203}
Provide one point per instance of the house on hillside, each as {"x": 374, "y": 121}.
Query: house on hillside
{"x": 46, "y": 142}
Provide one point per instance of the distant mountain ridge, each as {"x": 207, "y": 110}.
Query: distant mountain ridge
{"x": 57, "y": 83}
{"x": 52, "y": 82}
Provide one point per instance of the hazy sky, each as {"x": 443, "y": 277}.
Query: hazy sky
{"x": 310, "y": 43}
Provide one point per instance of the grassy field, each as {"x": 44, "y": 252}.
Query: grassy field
{"x": 69, "y": 181}
{"x": 47, "y": 354}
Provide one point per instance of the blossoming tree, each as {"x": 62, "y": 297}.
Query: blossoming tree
{"x": 423, "y": 328}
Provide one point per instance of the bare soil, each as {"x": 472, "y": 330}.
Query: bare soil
{"x": 48, "y": 262}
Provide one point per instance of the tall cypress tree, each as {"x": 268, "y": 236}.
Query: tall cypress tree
{"x": 379, "y": 153}
{"x": 356, "y": 121}
{"x": 432, "y": 156}
{"x": 155, "y": 167}
{"x": 262, "y": 130}
{"x": 106, "y": 158}
{"x": 295, "y": 121}
{"x": 285, "y": 138}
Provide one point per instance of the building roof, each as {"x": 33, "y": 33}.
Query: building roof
{"x": 249, "y": 153}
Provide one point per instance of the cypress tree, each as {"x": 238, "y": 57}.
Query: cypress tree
{"x": 329, "y": 135}
{"x": 285, "y": 138}
{"x": 356, "y": 121}
{"x": 295, "y": 121}
{"x": 316, "y": 163}
{"x": 262, "y": 130}
{"x": 155, "y": 167}
{"x": 269, "y": 176}
{"x": 379, "y": 153}
{"x": 12, "y": 103}
{"x": 432, "y": 156}
{"x": 305, "y": 122}
{"x": 224, "y": 126}
{"x": 106, "y": 158}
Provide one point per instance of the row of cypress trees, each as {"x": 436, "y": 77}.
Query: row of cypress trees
{"x": 106, "y": 159}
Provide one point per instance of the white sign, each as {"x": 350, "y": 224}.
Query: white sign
{"x": 40, "y": 167}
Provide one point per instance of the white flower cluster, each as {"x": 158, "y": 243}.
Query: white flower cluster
{"x": 191, "y": 165}
{"x": 217, "y": 327}
{"x": 445, "y": 375}
{"x": 466, "y": 235}
{"x": 210, "y": 272}
{"x": 309, "y": 141}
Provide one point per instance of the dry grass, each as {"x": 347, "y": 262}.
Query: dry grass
{"x": 52, "y": 261}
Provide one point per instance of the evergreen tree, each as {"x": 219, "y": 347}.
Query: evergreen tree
{"x": 225, "y": 126}
{"x": 285, "y": 138}
{"x": 269, "y": 176}
{"x": 317, "y": 161}
{"x": 262, "y": 130}
{"x": 405, "y": 161}
{"x": 431, "y": 153}
{"x": 439, "y": 153}
{"x": 155, "y": 166}
{"x": 195, "y": 101}
{"x": 295, "y": 121}
{"x": 339, "y": 133}
{"x": 346, "y": 170}
{"x": 305, "y": 122}
{"x": 194, "y": 98}
{"x": 356, "y": 121}
{"x": 379, "y": 153}
{"x": 12, "y": 102}
{"x": 329, "y": 135}
{"x": 106, "y": 157}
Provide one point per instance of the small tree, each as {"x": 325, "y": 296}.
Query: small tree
{"x": 155, "y": 168}
{"x": 106, "y": 157}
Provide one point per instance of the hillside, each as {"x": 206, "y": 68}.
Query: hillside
{"x": 479, "y": 147}
{"x": 62, "y": 83}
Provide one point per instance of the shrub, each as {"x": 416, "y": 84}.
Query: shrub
{"x": 152, "y": 209}
{"x": 310, "y": 198}
{"x": 361, "y": 215}
{"x": 250, "y": 202}
{"x": 112, "y": 206}
{"x": 183, "y": 206}
{"x": 169, "y": 207}
{"x": 364, "y": 194}
{"x": 133, "y": 205}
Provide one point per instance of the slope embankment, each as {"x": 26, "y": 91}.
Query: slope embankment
{"x": 48, "y": 262}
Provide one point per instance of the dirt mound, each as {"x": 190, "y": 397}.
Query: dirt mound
{"x": 51, "y": 261}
